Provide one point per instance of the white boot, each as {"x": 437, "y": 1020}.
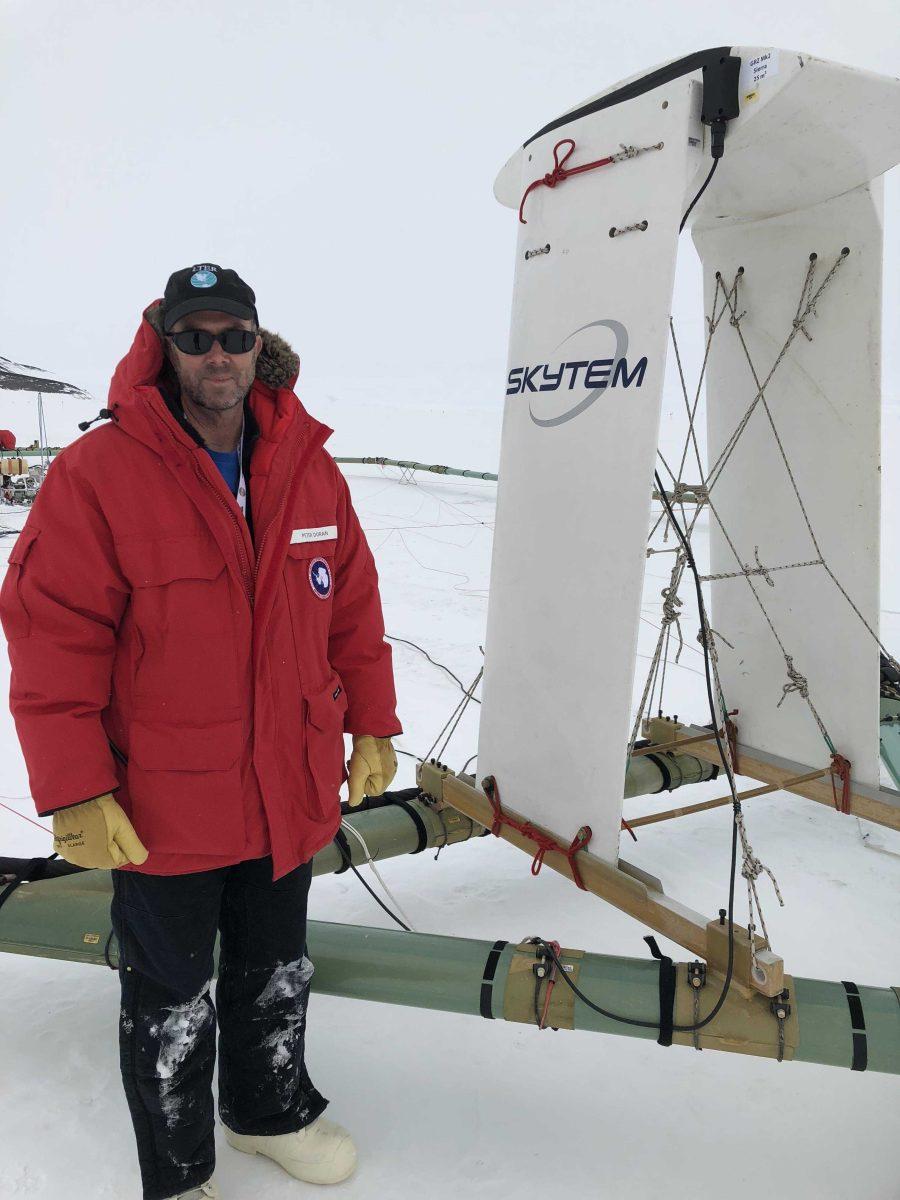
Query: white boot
{"x": 323, "y": 1152}
{"x": 206, "y": 1191}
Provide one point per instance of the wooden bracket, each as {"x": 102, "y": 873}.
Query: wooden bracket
{"x": 625, "y": 887}
{"x": 782, "y": 775}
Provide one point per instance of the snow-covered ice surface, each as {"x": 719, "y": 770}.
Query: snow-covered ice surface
{"x": 442, "y": 1104}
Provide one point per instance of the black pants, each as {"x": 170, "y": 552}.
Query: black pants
{"x": 166, "y": 928}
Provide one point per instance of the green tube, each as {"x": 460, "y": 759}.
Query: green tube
{"x": 51, "y": 919}
{"x": 434, "y": 468}
{"x": 644, "y": 776}
{"x": 69, "y": 918}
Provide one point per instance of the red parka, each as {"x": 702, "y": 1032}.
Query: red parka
{"x": 157, "y": 651}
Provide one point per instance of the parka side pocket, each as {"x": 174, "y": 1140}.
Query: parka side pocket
{"x": 14, "y": 612}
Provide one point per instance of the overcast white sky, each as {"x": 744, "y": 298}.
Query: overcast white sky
{"x": 340, "y": 155}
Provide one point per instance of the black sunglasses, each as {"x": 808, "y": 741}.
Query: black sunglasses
{"x": 200, "y": 341}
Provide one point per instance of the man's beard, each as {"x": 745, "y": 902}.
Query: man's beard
{"x": 223, "y": 399}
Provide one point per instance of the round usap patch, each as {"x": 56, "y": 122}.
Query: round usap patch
{"x": 320, "y": 578}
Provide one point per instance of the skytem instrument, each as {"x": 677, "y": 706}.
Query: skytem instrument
{"x": 773, "y": 160}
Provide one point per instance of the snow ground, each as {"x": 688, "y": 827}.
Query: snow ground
{"x": 441, "y": 1104}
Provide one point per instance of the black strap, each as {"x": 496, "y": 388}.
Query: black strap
{"x": 857, "y": 1026}
{"x": 9, "y": 889}
{"x": 340, "y": 840}
{"x": 666, "y": 773}
{"x": 28, "y": 871}
{"x": 666, "y": 992}
{"x": 487, "y": 982}
{"x": 417, "y": 821}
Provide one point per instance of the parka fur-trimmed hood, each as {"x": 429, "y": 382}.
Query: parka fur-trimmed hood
{"x": 277, "y": 365}
{"x": 146, "y": 373}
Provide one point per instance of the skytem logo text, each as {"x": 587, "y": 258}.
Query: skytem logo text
{"x": 596, "y": 374}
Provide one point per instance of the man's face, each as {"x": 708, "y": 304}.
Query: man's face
{"x": 215, "y": 381}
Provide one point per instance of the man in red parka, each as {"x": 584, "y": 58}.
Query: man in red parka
{"x": 193, "y": 621}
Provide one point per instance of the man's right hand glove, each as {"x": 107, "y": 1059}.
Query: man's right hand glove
{"x": 97, "y": 833}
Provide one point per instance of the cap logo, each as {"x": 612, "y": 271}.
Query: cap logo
{"x": 203, "y": 278}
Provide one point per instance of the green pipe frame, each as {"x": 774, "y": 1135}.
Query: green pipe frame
{"x": 68, "y": 918}
{"x": 434, "y": 468}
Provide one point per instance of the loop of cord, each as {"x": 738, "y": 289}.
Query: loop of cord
{"x": 561, "y": 171}
{"x": 543, "y": 841}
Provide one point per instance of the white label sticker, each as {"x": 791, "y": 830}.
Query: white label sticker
{"x": 755, "y": 70}
{"x": 319, "y": 533}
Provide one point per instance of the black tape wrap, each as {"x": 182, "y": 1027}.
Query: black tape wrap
{"x": 660, "y": 762}
{"x": 417, "y": 821}
{"x": 666, "y": 992}
{"x": 487, "y": 981}
{"x": 857, "y": 1027}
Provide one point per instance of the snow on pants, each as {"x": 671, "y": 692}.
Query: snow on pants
{"x": 166, "y": 928}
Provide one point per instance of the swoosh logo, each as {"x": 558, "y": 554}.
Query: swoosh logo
{"x": 621, "y": 336}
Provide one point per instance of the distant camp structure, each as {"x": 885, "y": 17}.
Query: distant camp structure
{"x": 20, "y": 480}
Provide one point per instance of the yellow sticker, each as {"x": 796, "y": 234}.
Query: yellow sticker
{"x": 91, "y": 939}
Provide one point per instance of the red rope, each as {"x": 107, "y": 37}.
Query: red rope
{"x": 16, "y": 812}
{"x": 626, "y": 826}
{"x": 543, "y": 841}
{"x": 840, "y": 768}
{"x": 731, "y": 732}
{"x": 560, "y": 171}
{"x": 551, "y": 984}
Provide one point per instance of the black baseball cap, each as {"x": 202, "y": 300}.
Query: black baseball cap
{"x": 210, "y": 287}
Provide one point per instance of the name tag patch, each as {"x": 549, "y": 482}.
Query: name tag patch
{"x": 318, "y": 533}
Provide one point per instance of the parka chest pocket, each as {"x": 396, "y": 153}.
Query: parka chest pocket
{"x": 309, "y": 568}
{"x": 183, "y": 612}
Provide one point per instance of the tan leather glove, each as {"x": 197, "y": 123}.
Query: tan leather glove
{"x": 97, "y": 833}
{"x": 372, "y": 766}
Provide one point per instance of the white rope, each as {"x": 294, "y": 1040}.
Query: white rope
{"x": 345, "y": 825}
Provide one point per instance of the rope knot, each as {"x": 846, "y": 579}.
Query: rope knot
{"x": 798, "y": 682}
{"x": 671, "y": 603}
{"x": 560, "y": 171}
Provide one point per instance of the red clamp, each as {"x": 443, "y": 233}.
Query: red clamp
{"x": 840, "y": 769}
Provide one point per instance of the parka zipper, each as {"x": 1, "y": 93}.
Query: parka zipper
{"x": 274, "y": 521}
{"x": 286, "y": 491}
{"x": 248, "y": 577}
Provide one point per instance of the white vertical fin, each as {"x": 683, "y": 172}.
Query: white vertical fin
{"x": 587, "y": 351}
{"x": 824, "y": 400}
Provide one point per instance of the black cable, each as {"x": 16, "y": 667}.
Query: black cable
{"x": 703, "y": 187}
{"x": 434, "y": 663}
{"x": 106, "y": 950}
{"x": 550, "y": 952}
{"x": 379, "y": 901}
{"x": 717, "y": 149}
